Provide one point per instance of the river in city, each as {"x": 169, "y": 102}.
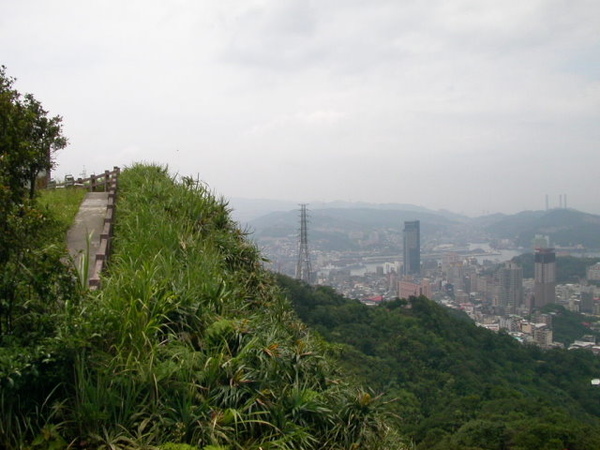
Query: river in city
{"x": 487, "y": 254}
{"x": 494, "y": 255}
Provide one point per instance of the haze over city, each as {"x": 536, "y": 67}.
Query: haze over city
{"x": 472, "y": 106}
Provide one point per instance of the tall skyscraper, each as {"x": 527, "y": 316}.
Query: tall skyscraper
{"x": 544, "y": 277}
{"x": 510, "y": 279}
{"x": 412, "y": 248}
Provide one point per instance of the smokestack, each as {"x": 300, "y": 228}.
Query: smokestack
{"x": 565, "y": 201}
{"x": 560, "y": 201}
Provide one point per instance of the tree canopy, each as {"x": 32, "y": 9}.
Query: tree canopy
{"x": 453, "y": 384}
{"x": 34, "y": 281}
{"x": 28, "y": 139}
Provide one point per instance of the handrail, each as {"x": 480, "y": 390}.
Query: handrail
{"x": 105, "y": 247}
{"x": 93, "y": 182}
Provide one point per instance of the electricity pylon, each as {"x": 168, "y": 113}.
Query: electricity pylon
{"x": 303, "y": 269}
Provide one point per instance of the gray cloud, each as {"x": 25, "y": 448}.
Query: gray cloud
{"x": 465, "y": 105}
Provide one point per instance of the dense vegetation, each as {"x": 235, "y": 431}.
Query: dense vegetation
{"x": 457, "y": 385}
{"x": 191, "y": 344}
{"x": 187, "y": 342}
{"x": 28, "y": 139}
{"x": 31, "y": 278}
{"x": 36, "y": 287}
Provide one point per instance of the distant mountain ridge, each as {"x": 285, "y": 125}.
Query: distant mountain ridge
{"x": 565, "y": 227}
{"x": 246, "y": 210}
{"x": 338, "y": 220}
{"x": 349, "y": 228}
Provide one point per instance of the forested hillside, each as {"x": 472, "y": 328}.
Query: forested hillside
{"x": 456, "y": 385}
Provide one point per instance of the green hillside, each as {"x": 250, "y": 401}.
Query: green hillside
{"x": 187, "y": 342}
{"x": 456, "y": 385}
{"x": 190, "y": 342}
{"x": 565, "y": 227}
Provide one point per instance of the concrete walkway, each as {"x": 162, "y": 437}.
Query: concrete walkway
{"x": 89, "y": 221}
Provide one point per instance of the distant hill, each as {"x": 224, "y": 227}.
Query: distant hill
{"x": 247, "y": 210}
{"x": 565, "y": 227}
{"x": 336, "y": 225}
{"x": 343, "y": 228}
{"x": 569, "y": 269}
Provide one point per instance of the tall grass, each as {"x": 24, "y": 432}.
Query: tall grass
{"x": 63, "y": 203}
{"x": 190, "y": 342}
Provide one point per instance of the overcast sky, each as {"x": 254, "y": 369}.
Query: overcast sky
{"x": 472, "y": 106}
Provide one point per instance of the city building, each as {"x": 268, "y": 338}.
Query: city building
{"x": 450, "y": 258}
{"x": 455, "y": 274}
{"x": 412, "y": 248}
{"x": 593, "y": 272}
{"x": 542, "y": 335}
{"x": 586, "y": 305}
{"x": 544, "y": 277}
{"x": 510, "y": 279}
{"x": 541, "y": 241}
{"x": 408, "y": 289}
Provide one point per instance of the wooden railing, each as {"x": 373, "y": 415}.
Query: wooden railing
{"x": 110, "y": 180}
{"x": 93, "y": 183}
{"x": 106, "y": 182}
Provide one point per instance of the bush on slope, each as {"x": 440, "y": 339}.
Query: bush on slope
{"x": 458, "y": 385}
{"x": 189, "y": 340}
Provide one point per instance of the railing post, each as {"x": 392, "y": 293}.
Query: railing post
{"x": 105, "y": 248}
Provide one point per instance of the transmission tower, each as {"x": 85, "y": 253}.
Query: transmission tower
{"x": 303, "y": 270}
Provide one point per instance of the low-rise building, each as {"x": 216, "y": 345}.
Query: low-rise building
{"x": 408, "y": 289}
{"x": 593, "y": 272}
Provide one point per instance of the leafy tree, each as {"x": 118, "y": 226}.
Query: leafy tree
{"x": 43, "y": 137}
{"x": 35, "y": 284}
{"x": 28, "y": 138}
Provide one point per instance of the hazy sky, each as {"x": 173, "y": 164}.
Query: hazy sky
{"x": 472, "y": 106}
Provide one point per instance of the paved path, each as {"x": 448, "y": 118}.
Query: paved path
{"x": 89, "y": 221}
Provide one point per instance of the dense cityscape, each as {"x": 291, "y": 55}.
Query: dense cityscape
{"x": 480, "y": 278}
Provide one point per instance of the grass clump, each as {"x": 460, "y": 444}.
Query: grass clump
{"x": 63, "y": 204}
{"x": 191, "y": 343}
